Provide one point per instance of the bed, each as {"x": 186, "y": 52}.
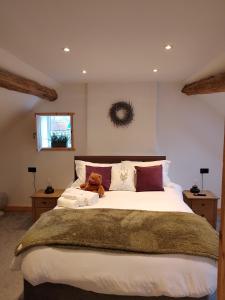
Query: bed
{"x": 53, "y": 273}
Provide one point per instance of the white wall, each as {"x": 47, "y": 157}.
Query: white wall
{"x": 191, "y": 134}
{"x": 18, "y": 151}
{"x": 187, "y": 130}
{"x": 139, "y": 137}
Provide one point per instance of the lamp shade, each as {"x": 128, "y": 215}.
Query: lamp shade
{"x": 204, "y": 171}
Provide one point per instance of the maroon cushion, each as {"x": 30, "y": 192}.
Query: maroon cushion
{"x": 104, "y": 171}
{"x": 149, "y": 179}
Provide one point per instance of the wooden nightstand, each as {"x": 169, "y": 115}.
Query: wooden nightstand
{"x": 204, "y": 206}
{"x": 42, "y": 202}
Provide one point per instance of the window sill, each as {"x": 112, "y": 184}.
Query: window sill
{"x": 58, "y": 149}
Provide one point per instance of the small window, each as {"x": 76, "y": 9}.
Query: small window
{"x": 54, "y": 131}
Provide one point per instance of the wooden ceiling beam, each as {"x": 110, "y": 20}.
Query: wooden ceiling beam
{"x": 209, "y": 85}
{"x": 21, "y": 84}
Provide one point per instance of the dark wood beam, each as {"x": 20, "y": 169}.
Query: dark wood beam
{"x": 209, "y": 85}
{"x": 21, "y": 84}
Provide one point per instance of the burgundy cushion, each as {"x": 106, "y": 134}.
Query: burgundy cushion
{"x": 149, "y": 179}
{"x": 104, "y": 171}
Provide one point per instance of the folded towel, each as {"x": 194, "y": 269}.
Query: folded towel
{"x": 75, "y": 192}
{"x": 73, "y": 198}
{"x": 63, "y": 202}
{"x": 68, "y": 203}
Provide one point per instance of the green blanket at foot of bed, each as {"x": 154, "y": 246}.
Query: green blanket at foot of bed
{"x": 123, "y": 230}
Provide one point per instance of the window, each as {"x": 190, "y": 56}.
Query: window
{"x": 54, "y": 131}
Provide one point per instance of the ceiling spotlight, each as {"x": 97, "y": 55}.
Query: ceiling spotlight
{"x": 155, "y": 70}
{"x": 168, "y": 47}
{"x": 84, "y": 72}
{"x": 66, "y": 49}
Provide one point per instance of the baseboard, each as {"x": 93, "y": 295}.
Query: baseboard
{"x": 18, "y": 208}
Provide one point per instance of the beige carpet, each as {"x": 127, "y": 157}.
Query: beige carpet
{"x": 12, "y": 227}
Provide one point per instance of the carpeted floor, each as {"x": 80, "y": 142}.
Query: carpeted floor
{"x": 12, "y": 227}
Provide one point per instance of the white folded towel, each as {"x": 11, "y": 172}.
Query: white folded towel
{"x": 73, "y": 198}
{"x": 63, "y": 202}
{"x": 74, "y": 194}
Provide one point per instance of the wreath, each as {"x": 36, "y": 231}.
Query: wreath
{"x": 121, "y": 113}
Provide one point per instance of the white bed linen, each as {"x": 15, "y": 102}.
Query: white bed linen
{"x": 126, "y": 273}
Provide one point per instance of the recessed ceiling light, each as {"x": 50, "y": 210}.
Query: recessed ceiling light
{"x": 84, "y": 72}
{"x": 155, "y": 70}
{"x": 66, "y": 49}
{"x": 168, "y": 47}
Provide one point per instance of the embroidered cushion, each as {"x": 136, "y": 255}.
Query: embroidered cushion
{"x": 122, "y": 178}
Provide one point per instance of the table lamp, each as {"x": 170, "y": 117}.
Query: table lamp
{"x": 203, "y": 171}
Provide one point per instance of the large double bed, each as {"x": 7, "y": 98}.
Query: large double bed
{"x": 63, "y": 273}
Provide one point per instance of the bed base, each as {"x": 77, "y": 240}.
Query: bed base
{"x": 52, "y": 291}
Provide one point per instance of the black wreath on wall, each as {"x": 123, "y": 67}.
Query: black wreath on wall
{"x": 121, "y": 113}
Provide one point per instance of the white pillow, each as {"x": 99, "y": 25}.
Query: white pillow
{"x": 165, "y": 164}
{"x": 122, "y": 178}
{"x": 81, "y": 170}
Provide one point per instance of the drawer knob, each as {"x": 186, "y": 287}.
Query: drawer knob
{"x": 44, "y": 202}
{"x": 203, "y": 204}
{"x": 202, "y": 215}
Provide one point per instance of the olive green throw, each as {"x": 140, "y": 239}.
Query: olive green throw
{"x": 124, "y": 230}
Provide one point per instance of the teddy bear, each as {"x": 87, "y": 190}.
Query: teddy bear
{"x": 94, "y": 184}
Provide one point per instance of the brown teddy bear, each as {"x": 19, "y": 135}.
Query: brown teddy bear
{"x": 94, "y": 184}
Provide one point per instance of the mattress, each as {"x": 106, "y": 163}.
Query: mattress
{"x": 125, "y": 273}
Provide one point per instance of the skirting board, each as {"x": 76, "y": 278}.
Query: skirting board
{"x": 18, "y": 209}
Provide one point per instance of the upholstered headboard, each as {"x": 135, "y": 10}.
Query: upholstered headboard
{"x": 114, "y": 159}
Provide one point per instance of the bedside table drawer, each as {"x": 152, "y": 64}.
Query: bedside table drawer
{"x": 45, "y": 202}
{"x": 42, "y": 202}
{"x": 201, "y": 204}
{"x": 205, "y": 206}
{"x": 203, "y": 209}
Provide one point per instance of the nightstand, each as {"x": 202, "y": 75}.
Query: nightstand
{"x": 204, "y": 206}
{"x": 42, "y": 202}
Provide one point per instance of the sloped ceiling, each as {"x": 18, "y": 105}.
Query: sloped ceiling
{"x": 13, "y": 104}
{"x": 12, "y": 63}
{"x": 215, "y": 66}
{"x": 215, "y": 101}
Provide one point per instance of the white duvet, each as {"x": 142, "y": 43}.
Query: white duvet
{"x": 126, "y": 273}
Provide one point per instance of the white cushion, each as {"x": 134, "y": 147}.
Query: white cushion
{"x": 122, "y": 178}
{"x": 165, "y": 164}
